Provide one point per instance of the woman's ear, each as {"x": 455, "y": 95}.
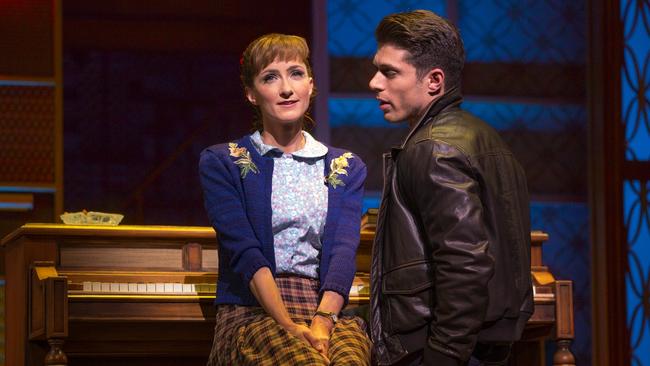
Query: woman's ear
{"x": 250, "y": 95}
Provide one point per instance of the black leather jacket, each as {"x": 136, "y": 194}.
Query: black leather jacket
{"x": 451, "y": 259}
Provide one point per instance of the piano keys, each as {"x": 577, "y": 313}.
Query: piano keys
{"x": 132, "y": 295}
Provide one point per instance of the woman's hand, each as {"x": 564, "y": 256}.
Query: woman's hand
{"x": 322, "y": 329}
{"x": 310, "y": 337}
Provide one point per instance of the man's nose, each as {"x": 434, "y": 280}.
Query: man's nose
{"x": 374, "y": 83}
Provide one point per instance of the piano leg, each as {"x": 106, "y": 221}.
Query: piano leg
{"x": 56, "y": 356}
{"x": 563, "y": 356}
{"x": 564, "y": 332}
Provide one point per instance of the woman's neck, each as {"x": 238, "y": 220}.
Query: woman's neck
{"x": 288, "y": 138}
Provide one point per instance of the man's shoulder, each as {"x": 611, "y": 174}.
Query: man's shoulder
{"x": 465, "y": 132}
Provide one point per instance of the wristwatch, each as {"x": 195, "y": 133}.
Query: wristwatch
{"x": 328, "y": 314}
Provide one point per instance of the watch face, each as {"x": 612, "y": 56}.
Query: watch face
{"x": 328, "y": 314}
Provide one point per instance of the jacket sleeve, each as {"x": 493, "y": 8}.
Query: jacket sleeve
{"x": 226, "y": 211}
{"x": 342, "y": 264}
{"x": 446, "y": 194}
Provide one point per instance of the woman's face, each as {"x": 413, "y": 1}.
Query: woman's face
{"x": 282, "y": 91}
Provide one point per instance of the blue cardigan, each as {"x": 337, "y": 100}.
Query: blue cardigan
{"x": 240, "y": 212}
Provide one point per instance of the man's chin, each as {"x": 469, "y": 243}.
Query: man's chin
{"x": 390, "y": 118}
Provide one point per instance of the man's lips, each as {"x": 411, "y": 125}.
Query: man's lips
{"x": 383, "y": 105}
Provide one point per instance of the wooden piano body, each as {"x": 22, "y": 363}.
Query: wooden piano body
{"x": 142, "y": 295}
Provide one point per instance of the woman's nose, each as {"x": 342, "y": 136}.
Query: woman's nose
{"x": 286, "y": 90}
{"x": 286, "y": 93}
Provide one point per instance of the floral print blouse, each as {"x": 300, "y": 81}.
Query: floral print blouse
{"x": 299, "y": 205}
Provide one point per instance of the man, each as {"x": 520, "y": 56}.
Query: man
{"x": 450, "y": 270}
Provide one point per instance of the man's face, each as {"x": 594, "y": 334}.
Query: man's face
{"x": 402, "y": 95}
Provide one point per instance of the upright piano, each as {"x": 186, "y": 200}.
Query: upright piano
{"x": 142, "y": 295}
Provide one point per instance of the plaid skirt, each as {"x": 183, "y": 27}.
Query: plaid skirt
{"x": 246, "y": 335}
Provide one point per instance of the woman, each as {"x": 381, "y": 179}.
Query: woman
{"x": 287, "y": 211}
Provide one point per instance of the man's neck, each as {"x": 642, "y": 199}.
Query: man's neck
{"x": 414, "y": 121}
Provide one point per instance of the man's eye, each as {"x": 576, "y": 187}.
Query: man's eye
{"x": 389, "y": 73}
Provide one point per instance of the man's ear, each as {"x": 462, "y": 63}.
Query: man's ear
{"x": 250, "y": 96}
{"x": 435, "y": 80}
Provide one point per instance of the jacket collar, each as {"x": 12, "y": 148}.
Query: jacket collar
{"x": 451, "y": 99}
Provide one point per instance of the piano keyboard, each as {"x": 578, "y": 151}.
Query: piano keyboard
{"x": 360, "y": 289}
{"x": 149, "y": 288}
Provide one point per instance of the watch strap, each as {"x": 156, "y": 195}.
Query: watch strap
{"x": 328, "y": 314}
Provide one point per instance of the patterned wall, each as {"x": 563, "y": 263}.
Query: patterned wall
{"x": 26, "y": 134}
{"x": 525, "y": 75}
{"x": 635, "y": 101}
{"x": 26, "y": 38}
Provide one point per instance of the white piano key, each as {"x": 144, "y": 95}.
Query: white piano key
{"x": 96, "y": 286}
{"x": 124, "y": 287}
{"x": 187, "y": 288}
{"x": 160, "y": 287}
{"x": 142, "y": 287}
{"x": 106, "y": 287}
{"x": 133, "y": 287}
{"x": 151, "y": 287}
{"x": 115, "y": 287}
{"x": 87, "y": 286}
{"x": 169, "y": 287}
{"x": 178, "y": 287}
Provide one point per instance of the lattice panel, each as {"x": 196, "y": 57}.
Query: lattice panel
{"x": 636, "y": 197}
{"x": 27, "y": 134}
{"x": 532, "y": 31}
{"x": 635, "y": 98}
{"x": 351, "y": 23}
{"x": 635, "y": 102}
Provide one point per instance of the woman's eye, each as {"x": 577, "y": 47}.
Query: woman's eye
{"x": 268, "y": 78}
{"x": 297, "y": 73}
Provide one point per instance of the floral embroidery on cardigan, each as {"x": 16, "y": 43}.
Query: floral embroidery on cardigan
{"x": 337, "y": 167}
{"x": 244, "y": 162}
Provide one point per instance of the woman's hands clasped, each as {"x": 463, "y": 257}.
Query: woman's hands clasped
{"x": 322, "y": 329}
{"x": 313, "y": 336}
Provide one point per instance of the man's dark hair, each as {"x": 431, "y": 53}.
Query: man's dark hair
{"x": 431, "y": 40}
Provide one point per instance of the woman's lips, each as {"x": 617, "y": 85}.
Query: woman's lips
{"x": 288, "y": 102}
